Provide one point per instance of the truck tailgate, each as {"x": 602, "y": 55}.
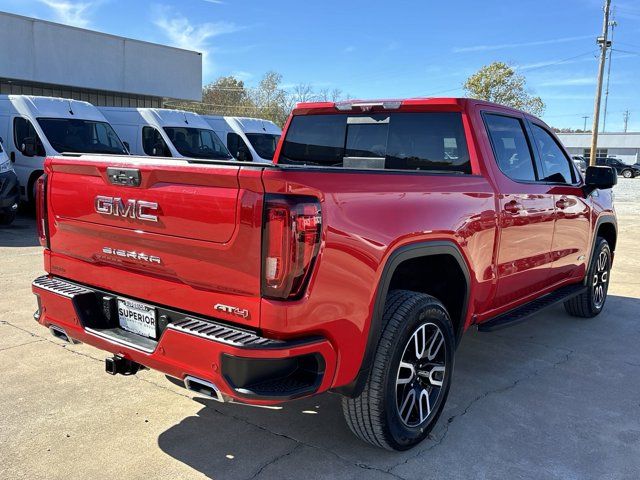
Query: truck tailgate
{"x": 187, "y": 236}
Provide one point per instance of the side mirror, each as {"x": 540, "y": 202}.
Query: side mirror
{"x": 158, "y": 150}
{"x": 126, "y": 146}
{"x": 28, "y": 147}
{"x": 600, "y": 178}
{"x": 244, "y": 155}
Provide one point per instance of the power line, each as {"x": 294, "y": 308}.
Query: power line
{"x": 558, "y": 62}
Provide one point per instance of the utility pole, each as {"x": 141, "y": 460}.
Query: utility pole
{"x": 585, "y": 123}
{"x": 613, "y": 24}
{"x": 602, "y": 41}
{"x": 625, "y": 115}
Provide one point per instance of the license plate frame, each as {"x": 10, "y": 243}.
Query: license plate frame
{"x": 137, "y": 317}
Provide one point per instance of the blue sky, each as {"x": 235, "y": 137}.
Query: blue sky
{"x": 373, "y": 49}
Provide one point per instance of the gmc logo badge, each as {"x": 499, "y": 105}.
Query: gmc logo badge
{"x": 136, "y": 209}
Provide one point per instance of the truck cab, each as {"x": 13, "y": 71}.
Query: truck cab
{"x": 37, "y": 127}
{"x": 160, "y": 132}
{"x": 248, "y": 139}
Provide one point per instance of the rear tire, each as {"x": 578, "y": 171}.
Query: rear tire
{"x": 627, "y": 174}
{"x": 410, "y": 376}
{"x": 590, "y": 303}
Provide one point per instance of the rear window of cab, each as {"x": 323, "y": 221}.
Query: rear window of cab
{"x": 432, "y": 142}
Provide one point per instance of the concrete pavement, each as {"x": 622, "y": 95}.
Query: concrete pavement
{"x": 555, "y": 397}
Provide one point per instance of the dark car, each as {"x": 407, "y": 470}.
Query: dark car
{"x": 624, "y": 169}
{"x": 9, "y": 192}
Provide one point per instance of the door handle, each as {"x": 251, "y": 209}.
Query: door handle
{"x": 512, "y": 207}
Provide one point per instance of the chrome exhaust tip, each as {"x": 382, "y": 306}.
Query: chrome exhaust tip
{"x": 59, "y": 332}
{"x": 203, "y": 387}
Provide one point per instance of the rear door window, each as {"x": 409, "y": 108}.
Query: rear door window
{"x": 511, "y": 147}
{"x": 557, "y": 167}
{"x": 394, "y": 141}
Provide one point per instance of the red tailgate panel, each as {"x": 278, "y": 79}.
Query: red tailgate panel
{"x": 203, "y": 251}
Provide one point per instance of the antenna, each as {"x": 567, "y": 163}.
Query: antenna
{"x": 70, "y": 109}
{"x": 184, "y": 114}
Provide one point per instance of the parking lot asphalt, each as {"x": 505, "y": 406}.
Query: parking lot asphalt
{"x": 554, "y": 397}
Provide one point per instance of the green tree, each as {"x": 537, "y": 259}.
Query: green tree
{"x": 228, "y": 96}
{"x": 499, "y": 83}
{"x": 271, "y": 100}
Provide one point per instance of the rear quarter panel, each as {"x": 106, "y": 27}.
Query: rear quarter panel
{"x": 367, "y": 216}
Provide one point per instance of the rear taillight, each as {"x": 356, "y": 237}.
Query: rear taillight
{"x": 290, "y": 244}
{"x": 41, "y": 210}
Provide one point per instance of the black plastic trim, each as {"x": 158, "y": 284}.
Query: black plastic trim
{"x": 523, "y": 312}
{"x": 281, "y": 379}
{"x": 407, "y": 252}
{"x": 604, "y": 218}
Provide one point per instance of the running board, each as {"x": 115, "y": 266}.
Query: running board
{"x": 523, "y": 312}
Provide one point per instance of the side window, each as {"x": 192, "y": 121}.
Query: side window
{"x": 106, "y": 136}
{"x": 510, "y": 147}
{"x": 23, "y": 130}
{"x": 555, "y": 163}
{"x": 153, "y": 144}
{"x": 238, "y": 148}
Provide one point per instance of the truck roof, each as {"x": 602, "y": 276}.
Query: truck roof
{"x": 52, "y": 107}
{"x": 449, "y": 103}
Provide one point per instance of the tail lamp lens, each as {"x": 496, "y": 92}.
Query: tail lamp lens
{"x": 291, "y": 240}
{"x": 41, "y": 210}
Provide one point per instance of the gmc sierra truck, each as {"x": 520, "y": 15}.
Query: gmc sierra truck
{"x": 354, "y": 264}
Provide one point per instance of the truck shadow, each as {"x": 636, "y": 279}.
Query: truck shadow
{"x": 21, "y": 233}
{"x": 237, "y": 441}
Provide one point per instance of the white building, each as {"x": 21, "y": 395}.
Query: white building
{"x": 623, "y": 146}
{"x": 53, "y": 60}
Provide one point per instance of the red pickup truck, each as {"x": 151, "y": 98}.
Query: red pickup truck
{"x": 353, "y": 264}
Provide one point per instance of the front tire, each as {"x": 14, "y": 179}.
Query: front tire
{"x": 590, "y": 303}
{"x": 410, "y": 376}
{"x": 627, "y": 174}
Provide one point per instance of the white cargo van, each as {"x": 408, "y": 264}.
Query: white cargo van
{"x": 161, "y": 132}
{"x": 35, "y": 127}
{"x": 248, "y": 139}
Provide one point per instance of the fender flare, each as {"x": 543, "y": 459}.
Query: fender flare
{"x": 398, "y": 256}
{"x": 604, "y": 218}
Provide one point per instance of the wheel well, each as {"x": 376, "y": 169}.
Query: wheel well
{"x": 608, "y": 232}
{"x": 439, "y": 276}
{"x": 32, "y": 179}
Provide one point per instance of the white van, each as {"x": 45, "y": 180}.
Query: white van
{"x": 248, "y": 139}
{"x": 36, "y": 127}
{"x": 161, "y": 132}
